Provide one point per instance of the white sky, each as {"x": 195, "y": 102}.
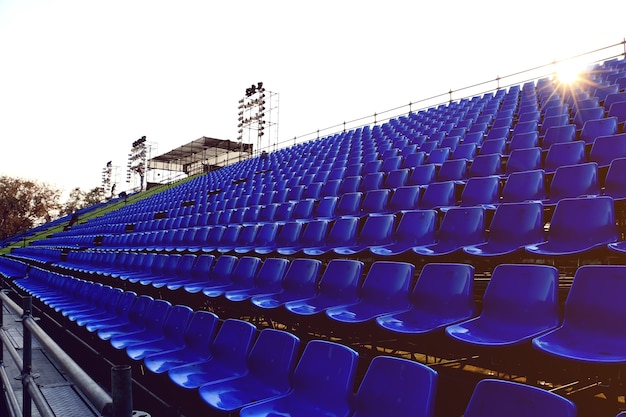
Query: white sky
{"x": 80, "y": 80}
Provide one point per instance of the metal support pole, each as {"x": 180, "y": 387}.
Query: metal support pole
{"x": 122, "y": 391}
{"x": 27, "y": 357}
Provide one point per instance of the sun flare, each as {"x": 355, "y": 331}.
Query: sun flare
{"x": 568, "y": 72}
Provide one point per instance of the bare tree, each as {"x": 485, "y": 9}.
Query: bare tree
{"x": 25, "y": 204}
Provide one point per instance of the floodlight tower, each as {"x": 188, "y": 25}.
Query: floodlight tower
{"x": 138, "y": 161}
{"x": 255, "y": 117}
{"x": 107, "y": 173}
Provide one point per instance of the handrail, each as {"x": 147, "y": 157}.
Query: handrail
{"x": 96, "y": 394}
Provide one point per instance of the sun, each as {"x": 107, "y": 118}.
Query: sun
{"x": 568, "y": 72}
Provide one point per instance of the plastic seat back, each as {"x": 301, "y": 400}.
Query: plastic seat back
{"x": 349, "y": 204}
{"x": 438, "y": 156}
{"x": 523, "y": 186}
{"x": 300, "y": 282}
{"x": 485, "y": 165}
{"x": 558, "y": 134}
{"x": 523, "y": 160}
{"x": 523, "y": 141}
{"x": 481, "y": 190}
{"x": 594, "y": 308}
{"x": 493, "y": 146}
{"x": 396, "y": 178}
{"x": 438, "y": 194}
{"x": 615, "y": 181}
{"x": 371, "y": 181}
{"x": 618, "y": 109}
{"x": 596, "y": 128}
{"x": 520, "y": 302}
{"x": 574, "y": 181}
{"x": 413, "y": 160}
{"x": 606, "y": 148}
{"x": 564, "y": 153}
{"x": 578, "y": 225}
{"x": 557, "y": 120}
{"x": 494, "y": 398}
{"x": 452, "y": 170}
{"x": 404, "y": 198}
{"x": 396, "y": 387}
{"x": 583, "y": 115}
{"x": 422, "y": 175}
{"x": 374, "y": 201}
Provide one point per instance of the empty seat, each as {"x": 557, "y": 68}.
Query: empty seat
{"x": 572, "y": 181}
{"x": 322, "y": 384}
{"x": 313, "y": 235}
{"x": 618, "y": 110}
{"x": 600, "y": 127}
{"x": 481, "y": 191}
{"x": 615, "y": 181}
{"x": 385, "y": 290}
{"x": 270, "y": 364}
{"x": 338, "y": 286}
{"x": 288, "y": 236}
{"x": 377, "y": 230}
{"x": 523, "y": 141}
{"x": 372, "y": 181}
{"x": 396, "y": 178}
{"x": 523, "y": 160}
{"x": 495, "y": 398}
{"x": 266, "y": 236}
{"x": 404, "y": 198}
{"x": 485, "y": 165}
{"x": 607, "y": 148}
{"x": 438, "y": 194}
{"x": 414, "y": 160}
{"x": 396, "y": 387}
{"x": 514, "y": 225}
{"x": 521, "y": 302}
{"x": 579, "y": 225}
{"x": 443, "y": 295}
{"x": 422, "y": 175}
{"x": 493, "y": 146}
{"x": 415, "y": 228}
{"x": 583, "y": 115}
{"x": 593, "y": 310}
{"x": 523, "y": 186}
{"x": 564, "y": 153}
{"x": 452, "y": 170}
{"x": 242, "y": 275}
{"x": 266, "y": 281}
{"x": 374, "y": 201}
{"x": 438, "y": 156}
{"x": 551, "y": 121}
{"x": 558, "y": 134}
{"x": 197, "y": 337}
{"x": 227, "y": 357}
{"x": 343, "y": 232}
{"x": 461, "y": 226}
{"x": 299, "y": 283}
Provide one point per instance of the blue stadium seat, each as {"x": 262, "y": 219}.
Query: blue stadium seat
{"x": 438, "y": 156}
{"x": 300, "y": 282}
{"x": 523, "y": 141}
{"x": 523, "y": 160}
{"x": 521, "y": 302}
{"x": 266, "y": 236}
{"x": 326, "y": 208}
{"x": 422, "y": 175}
{"x": 371, "y": 181}
{"x": 571, "y": 181}
{"x": 414, "y": 160}
{"x": 396, "y": 387}
{"x": 438, "y": 194}
{"x": 524, "y": 186}
{"x": 615, "y": 181}
{"x": 461, "y": 226}
{"x": 514, "y": 225}
{"x": 132, "y": 310}
{"x": 613, "y": 98}
{"x": 465, "y": 151}
{"x": 584, "y": 115}
{"x": 452, "y": 170}
{"x": 322, "y": 384}
{"x": 415, "y": 228}
{"x": 338, "y": 286}
{"x": 443, "y": 295}
{"x": 429, "y": 146}
{"x": 404, "y": 198}
{"x": 594, "y": 309}
{"x": 396, "y": 178}
{"x": 217, "y": 275}
{"x": 485, "y": 165}
{"x": 330, "y": 188}
{"x": 607, "y": 148}
{"x": 551, "y": 121}
{"x": 196, "y": 272}
{"x": 117, "y": 309}
{"x": 197, "y": 338}
{"x": 288, "y": 236}
{"x": 313, "y": 235}
{"x": 170, "y": 336}
{"x": 374, "y": 201}
{"x": 565, "y": 153}
{"x": 481, "y": 191}
{"x": 579, "y": 225}
{"x": 147, "y": 320}
{"x": 349, "y": 204}
{"x": 384, "y": 291}
{"x": 343, "y": 232}
{"x": 618, "y": 109}
{"x": 377, "y": 230}
{"x": 558, "y": 134}
{"x": 596, "y": 128}
{"x": 242, "y": 276}
{"x": 227, "y": 359}
{"x": 493, "y": 146}
{"x": 270, "y": 364}
{"x": 266, "y": 281}
{"x": 495, "y": 398}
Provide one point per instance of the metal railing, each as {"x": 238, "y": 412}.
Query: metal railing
{"x": 118, "y": 405}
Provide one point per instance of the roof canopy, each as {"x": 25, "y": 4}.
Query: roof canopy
{"x": 201, "y": 155}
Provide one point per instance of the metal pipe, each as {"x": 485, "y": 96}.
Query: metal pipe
{"x": 11, "y": 349}
{"x": 122, "y": 390}
{"x": 12, "y": 402}
{"x": 35, "y": 394}
{"x": 27, "y": 356}
{"x": 96, "y": 394}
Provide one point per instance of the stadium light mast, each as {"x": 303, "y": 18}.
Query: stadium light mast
{"x": 257, "y": 111}
{"x": 138, "y": 161}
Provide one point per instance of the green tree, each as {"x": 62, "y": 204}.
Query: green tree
{"x": 25, "y": 204}
{"x": 79, "y": 199}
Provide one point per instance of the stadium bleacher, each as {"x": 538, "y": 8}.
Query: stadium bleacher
{"x": 362, "y": 272}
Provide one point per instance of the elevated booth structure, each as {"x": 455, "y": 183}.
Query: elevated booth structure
{"x": 196, "y": 157}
